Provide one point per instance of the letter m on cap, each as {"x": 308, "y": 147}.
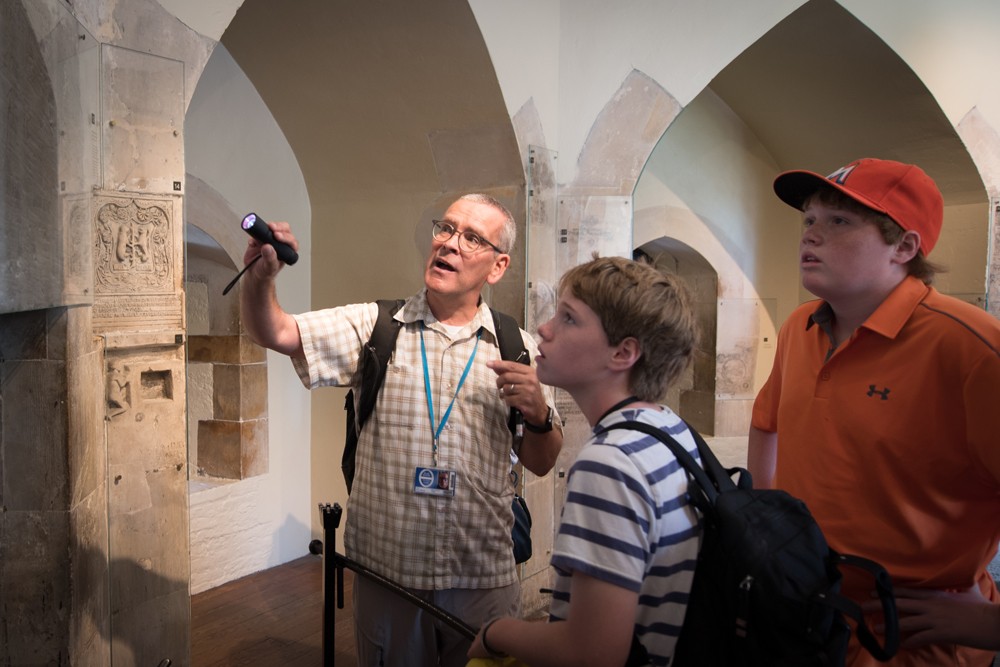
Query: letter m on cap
{"x": 841, "y": 174}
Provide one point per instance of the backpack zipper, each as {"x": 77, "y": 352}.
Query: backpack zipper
{"x": 743, "y": 606}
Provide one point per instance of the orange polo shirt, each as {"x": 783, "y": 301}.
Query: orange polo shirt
{"x": 893, "y": 441}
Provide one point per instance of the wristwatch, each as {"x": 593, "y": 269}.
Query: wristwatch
{"x": 545, "y": 428}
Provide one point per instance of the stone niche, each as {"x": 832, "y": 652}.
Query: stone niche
{"x": 232, "y": 442}
{"x": 227, "y": 372}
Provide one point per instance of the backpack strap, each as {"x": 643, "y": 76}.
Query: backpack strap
{"x": 511, "y": 349}
{"x": 374, "y": 360}
{"x": 372, "y": 363}
{"x": 378, "y": 350}
{"x": 383, "y": 341}
{"x": 509, "y": 337}
{"x": 848, "y": 607}
{"x": 715, "y": 478}
{"x": 710, "y": 477}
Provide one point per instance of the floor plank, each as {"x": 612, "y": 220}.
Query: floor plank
{"x": 270, "y": 618}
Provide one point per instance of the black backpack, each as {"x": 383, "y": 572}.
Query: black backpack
{"x": 375, "y": 358}
{"x": 766, "y": 585}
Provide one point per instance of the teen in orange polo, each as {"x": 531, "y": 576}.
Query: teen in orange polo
{"x": 881, "y": 411}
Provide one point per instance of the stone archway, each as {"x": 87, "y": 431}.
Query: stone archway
{"x": 693, "y": 395}
{"x": 734, "y": 321}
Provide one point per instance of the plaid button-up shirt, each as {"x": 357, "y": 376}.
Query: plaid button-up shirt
{"x": 421, "y": 541}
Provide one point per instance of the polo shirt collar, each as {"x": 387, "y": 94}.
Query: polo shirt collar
{"x": 891, "y": 315}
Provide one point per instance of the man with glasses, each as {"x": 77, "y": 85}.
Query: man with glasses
{"x": 442, "y": 412}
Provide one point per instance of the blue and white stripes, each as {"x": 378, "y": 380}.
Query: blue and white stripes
{"x": 626, "y": 521}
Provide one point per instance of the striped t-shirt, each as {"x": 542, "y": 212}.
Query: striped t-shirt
{"x": 627, "y": 521}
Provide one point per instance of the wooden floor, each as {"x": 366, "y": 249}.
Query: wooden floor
{"x": 274, "y": 618}
{"x": 269, "y": 619}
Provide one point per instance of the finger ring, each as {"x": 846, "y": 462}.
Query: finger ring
{"x": 501, "y": 392}
{"x": 511, "y": 390}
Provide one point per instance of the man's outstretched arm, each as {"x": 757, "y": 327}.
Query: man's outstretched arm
{"x": 263, "y": 318}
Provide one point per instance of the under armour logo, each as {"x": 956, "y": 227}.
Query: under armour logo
{"x": 884, "y": 393}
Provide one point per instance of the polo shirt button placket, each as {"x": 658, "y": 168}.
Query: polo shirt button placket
{"x": 823, "y": 384}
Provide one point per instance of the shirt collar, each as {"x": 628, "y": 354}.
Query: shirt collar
{"x": 416, "y": 309}
{"x": 889, "y": 318}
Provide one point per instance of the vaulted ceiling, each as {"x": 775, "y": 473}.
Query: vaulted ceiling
{"x": 820, "y": 89}
{"x": 359, "y": 87}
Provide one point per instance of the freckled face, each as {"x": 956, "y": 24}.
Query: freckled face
{"x": 842, "y": 254}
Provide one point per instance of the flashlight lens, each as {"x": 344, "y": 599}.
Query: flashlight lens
{"x": 249, "y": 220}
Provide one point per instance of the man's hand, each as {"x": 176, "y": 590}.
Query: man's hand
{"x": 520, "y": 389}
{"x": 263, "y": 318}
{"x": 518, "y": 386}
{"x": 946, "y": 617}
{"x": 269, "y": 265}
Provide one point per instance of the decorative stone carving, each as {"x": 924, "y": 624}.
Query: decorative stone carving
{"x": 119, "y": 391}
{"x": 132, "y": 247}
{"x": 137, "y": 268}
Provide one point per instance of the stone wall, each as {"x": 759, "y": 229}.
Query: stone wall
{"x": 233, "y": 443}
{"x": 94, "y": 557}
{"x": 54, "y": 581}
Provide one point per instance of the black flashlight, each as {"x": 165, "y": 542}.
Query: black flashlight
{"x": 255, "y": 226}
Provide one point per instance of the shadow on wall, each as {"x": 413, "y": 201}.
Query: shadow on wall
{"x": 158, "y": 621}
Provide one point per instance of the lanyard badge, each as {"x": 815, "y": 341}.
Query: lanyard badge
{"x": 439, "y": 481}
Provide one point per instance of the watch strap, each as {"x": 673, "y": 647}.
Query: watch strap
{"x": 545, "y": 428}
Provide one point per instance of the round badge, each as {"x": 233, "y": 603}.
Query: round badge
{"x": 426, "y": 478}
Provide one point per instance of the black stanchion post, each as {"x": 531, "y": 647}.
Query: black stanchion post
{"x": 333, "y": 585}
{"x": 332, "y": 578}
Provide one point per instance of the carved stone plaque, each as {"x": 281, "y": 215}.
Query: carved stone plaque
{"x": 137, "y": 272}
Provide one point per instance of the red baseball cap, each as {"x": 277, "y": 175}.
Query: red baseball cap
{"x": 904, "y": 192}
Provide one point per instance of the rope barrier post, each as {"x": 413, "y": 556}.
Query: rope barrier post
{"x": 333, "y": 579}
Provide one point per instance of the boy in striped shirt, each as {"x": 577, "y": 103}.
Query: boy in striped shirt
{"x": 626, "y": 548}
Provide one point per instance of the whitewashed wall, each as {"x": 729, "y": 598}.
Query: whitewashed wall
{"x": 238, "y": 528}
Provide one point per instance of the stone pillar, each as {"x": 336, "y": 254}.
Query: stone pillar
{"x": 53, "y": 492}
{"x": 54, "y": 584}
{"x": 149, "y": 63}
{"x": 93, "y": 465}
{"x": 139, "y": 312}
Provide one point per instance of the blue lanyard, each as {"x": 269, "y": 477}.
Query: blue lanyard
{"x": 427, "y": 387}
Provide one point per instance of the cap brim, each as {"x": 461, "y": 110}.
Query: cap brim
{"x": 794, "y": 187}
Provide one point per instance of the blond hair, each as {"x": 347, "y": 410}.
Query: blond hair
{"x": 634, "y": 300}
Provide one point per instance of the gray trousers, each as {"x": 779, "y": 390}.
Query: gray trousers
{"x": 391, "y": 632}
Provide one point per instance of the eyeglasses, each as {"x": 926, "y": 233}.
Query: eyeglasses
{"x": 468, "y": 241}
